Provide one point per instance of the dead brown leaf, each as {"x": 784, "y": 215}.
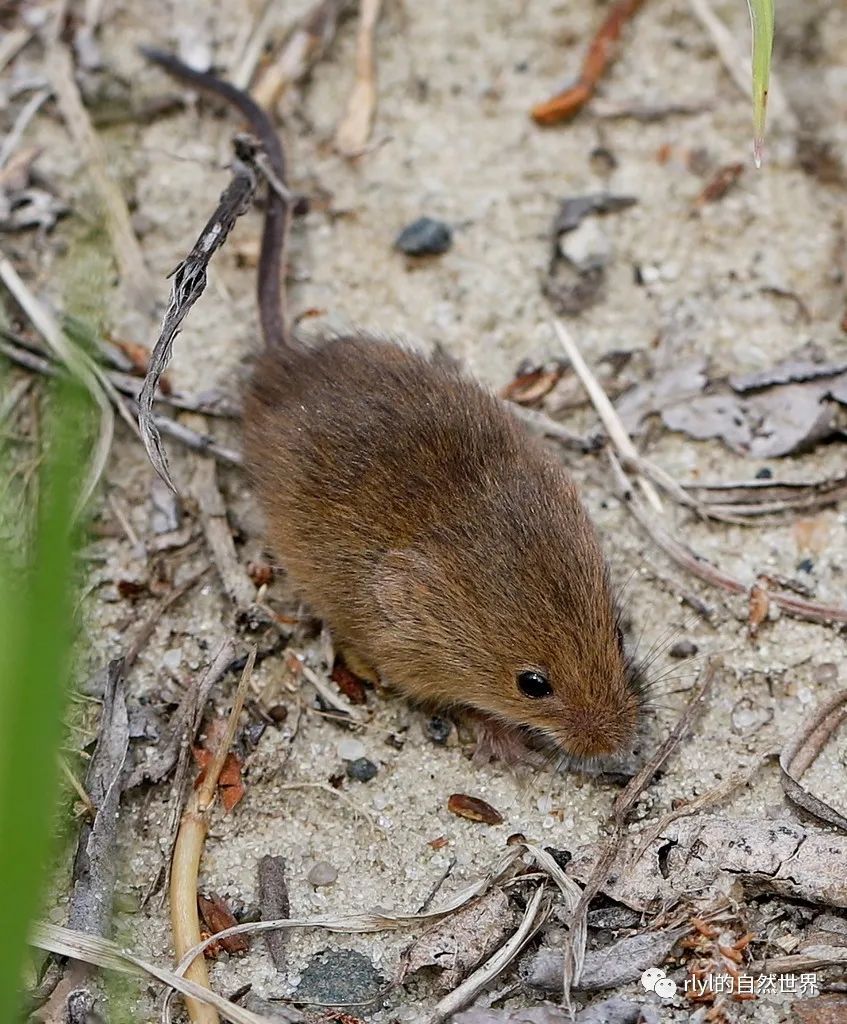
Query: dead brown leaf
{"x": 217, "y": 916}
{"x": 720, "y": 183}
{"x": 682, "y": 382}
{"x": 778, "y": 421}
{"x": 230, "y": 782}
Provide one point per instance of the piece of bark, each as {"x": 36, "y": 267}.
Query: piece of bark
{"x": 274, "y": 905}
{"x": 95, "y": 865}
{"x": 705, "y": 857}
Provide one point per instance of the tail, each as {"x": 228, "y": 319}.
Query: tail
{"x": 269, "y": 290}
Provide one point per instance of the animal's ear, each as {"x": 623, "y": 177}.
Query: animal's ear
{"x": 406, "y": 583}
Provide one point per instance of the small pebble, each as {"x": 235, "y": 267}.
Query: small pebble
{"x": 322, "y": 873}
{"x": 826, "y": 673}
{"x": 764, "y": 474}
{"x": 279, "y": 713}
{"x": 806, "y": 565}
{"x": 350, "y": 749}
{"x": 362, "y": 770}
{"x": 172, "y": 659}
{"x": 683, "y": 649}
{"x": 424, "y": 237}
{"x": 438, "y": 729}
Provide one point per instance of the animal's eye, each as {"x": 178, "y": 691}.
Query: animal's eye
{"x": 619, "y": 638}
{"x": 533, "y": 683}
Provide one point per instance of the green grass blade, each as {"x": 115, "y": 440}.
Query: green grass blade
{"x": 36, "y": 634}
{"x": 762, "y": 22}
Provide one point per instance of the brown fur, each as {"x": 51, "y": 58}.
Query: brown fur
{"x": 445, "y": 548}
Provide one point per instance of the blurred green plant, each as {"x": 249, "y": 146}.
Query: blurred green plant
{"x": 762, "y": 23}
{"x": 36, "y": 638}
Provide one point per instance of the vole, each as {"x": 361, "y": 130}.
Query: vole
{"x": 448, "y": 551}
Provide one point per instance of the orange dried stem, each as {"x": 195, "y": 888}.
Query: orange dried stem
{"x": 600, "y": 54}
{"x": 185, "y": 867}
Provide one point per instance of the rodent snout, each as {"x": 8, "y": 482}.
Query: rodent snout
{"x": 589, "y": 732}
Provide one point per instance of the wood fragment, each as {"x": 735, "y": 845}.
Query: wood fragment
{"x": 186, "y": 859}
{"x": 232, "y": 572}
{"x": 274, "y": 904}
{"x": 352, "y": 134}
{"x": 184, "y": 723}
{"x": 600, "y": 54}
{"x": 96, "y": 863}
{"x": 135, "y": 277}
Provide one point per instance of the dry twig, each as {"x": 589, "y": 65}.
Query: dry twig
{"x": 187, "y": 854}
{"x": 802, "y": 751}
{"x": 306, "y": 45}
{"x": 600, "y": 54}
{"x": 213, "y": 516}
{"x": 27, "y": 113}
{"x": 702, "y": 568}
{"x": 605, "y": 409}
{"x": 91, "y": 949}
{"x": 351, "y": 136}
{"x": 189, "y": 282}
{"x": 12, "y": 43}
{"x": 534, "y": 916}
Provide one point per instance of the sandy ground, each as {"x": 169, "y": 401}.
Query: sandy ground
{"x": 454, "y": 141}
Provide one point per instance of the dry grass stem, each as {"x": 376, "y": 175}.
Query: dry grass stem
{"x": 605, "y": 410}
{"x": 188, "y": 850}
{"x": 353, "y": 132}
